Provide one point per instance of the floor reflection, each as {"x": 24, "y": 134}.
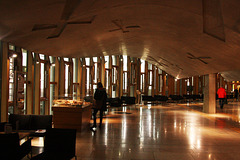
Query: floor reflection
{"x": 168, "y": 131}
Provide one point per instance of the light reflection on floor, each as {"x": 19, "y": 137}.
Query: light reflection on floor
{"x": 168, "y": 131}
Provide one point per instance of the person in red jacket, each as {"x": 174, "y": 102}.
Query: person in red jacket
{"x": 221, "y": 96}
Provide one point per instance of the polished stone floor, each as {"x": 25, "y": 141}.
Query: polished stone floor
{"x": 163, "y": 132}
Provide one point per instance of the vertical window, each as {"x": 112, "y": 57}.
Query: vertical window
{"x": 24, "y": 69}
{"x": 11, "y": 47}
{"x": 88, "y": 76}
{"x": 107, "y": 79}
{"x": 107, "y": 73}
{"x": 41, "y": 56}
{"x": 87, "y": 60}
{"x": 42, "y": 84}
{"x": 125, "y": 82}
{"x": 66, "y": 59}
{"x": 42, "y": 80}
{"x": 142, "y": 66}
{"x": 142, "y": 83}
{"x": 67, "y": 79}
{"x": 52, "y": 79}
{"x": 142, "y": 80}
{"x": 106, "y": 61}
{"x": 75, "y": 77}
{"x": 88, "y": 80}
{"x": 114, "y": 60}
{"x": 125, "y": 65}
{"x": 125, "y": 72}
{"x": 96, "y": 71}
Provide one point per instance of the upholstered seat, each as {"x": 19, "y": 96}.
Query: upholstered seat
{"x": 59, "y": 144}
{"x": 10, "y": 147}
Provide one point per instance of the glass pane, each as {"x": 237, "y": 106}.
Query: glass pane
{"x": 159, "y": 71}
{"x": 107, "y": 79}
{"x": 95, "y": 59}
{"x": 75, "y": 67}
{"x": 66, "y": 59}
{"x": 51, "y": 58}
{"x": 114, "y": 75}
{"x": 24, "y": 58}
{"x": 11, "y": 47}
{"x": 150, "y": 77}
{"x": 52, "y": 93}
{"x": 42, "y": 80}
{"x": 25, "y": 98}
{"x": 114, "y": 60}
{"x": 142, "y": 82}
{"x": 66, "y": 79}
{"x": 95, "y": 73}
{"x": 42, "y": 56}
{"x": 42, "y": 107}
{"x": 142, "y": 66}
{"x": 125, "y": 63}
{"x": 125, "y": 82}
{"x": 161, "y": 83}
{"x": 149, "y": 66}
{"x": 88, "y": 80}
{"x": 87, "y": 60}
{"x": 106, "y": 61}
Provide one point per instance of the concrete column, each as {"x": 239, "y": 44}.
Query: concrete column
{"x": 209, "y": 102}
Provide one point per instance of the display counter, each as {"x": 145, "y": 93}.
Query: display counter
{"x": 72, "y": 116}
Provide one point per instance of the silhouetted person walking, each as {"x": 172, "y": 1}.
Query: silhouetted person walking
{"x": 100, "y": 96}
{"x": 221, "y": 96}
{"x": 236, "y": 94}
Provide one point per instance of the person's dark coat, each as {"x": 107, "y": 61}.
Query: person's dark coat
{"x": 100, "y": 96}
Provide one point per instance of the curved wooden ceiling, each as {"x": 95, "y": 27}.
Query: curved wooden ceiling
{"x": 184, "y": 37}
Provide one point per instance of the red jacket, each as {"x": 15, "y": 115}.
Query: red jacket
{"x": 221, "y": 93}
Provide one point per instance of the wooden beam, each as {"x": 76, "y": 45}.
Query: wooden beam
{"x": 61, "y": 77}
{"x": 57, "y": 81}
{"x": 164, "y": 83}
{"x": 79, "y": 79}
{"x": 29, "y": 84}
